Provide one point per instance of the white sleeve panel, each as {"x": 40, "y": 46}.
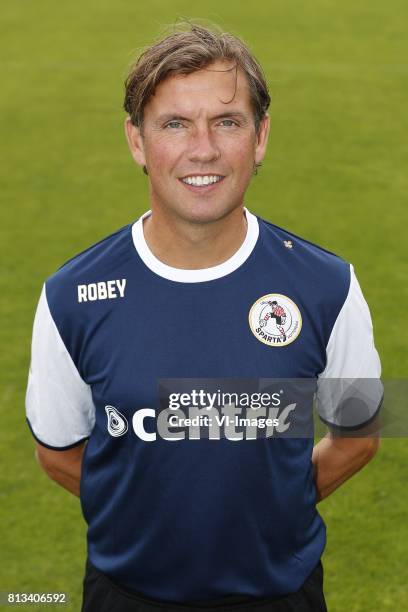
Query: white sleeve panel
{"x": 349, "y": 390}
{"x": 59, "y": 406}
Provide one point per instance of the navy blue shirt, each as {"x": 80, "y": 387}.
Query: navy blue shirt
{"x": 194, "y": 519}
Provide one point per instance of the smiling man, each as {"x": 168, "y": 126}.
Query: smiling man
{"x": 199, "y": 139}
{"x": 200, "y": 298}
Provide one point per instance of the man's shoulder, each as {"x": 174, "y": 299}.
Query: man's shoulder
{"x": 302, "y": 250}
{"x": 103, "y": 261}
{"x": 322, "y": 277}
{"x": 94, "y": 258}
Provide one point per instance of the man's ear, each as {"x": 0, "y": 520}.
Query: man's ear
{"x": 262, "y": 139}
{"x": 135, "y": 142}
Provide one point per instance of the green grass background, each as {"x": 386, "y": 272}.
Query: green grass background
{"x": 335, "y": 173}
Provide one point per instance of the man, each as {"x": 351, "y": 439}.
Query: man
{"x": 154, "y": 323}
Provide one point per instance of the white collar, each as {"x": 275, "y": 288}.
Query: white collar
{"x": 182, "y": 275}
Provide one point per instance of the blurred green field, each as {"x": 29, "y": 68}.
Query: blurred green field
{"x": 335, "y": 173}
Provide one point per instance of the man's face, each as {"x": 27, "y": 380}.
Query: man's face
{"x": 192, "y": 138}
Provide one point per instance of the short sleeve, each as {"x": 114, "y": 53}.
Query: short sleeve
{"x": 59, "y": 406}
{"x": 349, "y": 390}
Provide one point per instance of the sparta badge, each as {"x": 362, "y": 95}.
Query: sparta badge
{"x": 275, "y": 320}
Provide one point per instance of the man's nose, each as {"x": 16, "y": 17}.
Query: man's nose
{"x": 203, "y": 146}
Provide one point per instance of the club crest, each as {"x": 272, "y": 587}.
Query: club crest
{"x": 275, "y": 320}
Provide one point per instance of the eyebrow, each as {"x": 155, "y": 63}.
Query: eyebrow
{"x": 175, "y": 117}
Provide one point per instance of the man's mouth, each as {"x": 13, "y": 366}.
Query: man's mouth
{"x": 202, "y": 180}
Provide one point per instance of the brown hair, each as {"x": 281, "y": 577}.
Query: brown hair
{"x": 184, "y": 51}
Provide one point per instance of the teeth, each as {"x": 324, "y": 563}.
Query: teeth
{"x": 199, "y": 181}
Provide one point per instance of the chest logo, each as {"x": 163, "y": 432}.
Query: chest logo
{"x": 275, "y": 320}
{"x": 117, "y": 423}
{"x": 104, "y": 290}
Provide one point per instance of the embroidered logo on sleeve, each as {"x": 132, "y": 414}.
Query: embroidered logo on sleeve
{"x": 104, "y": 290}
{"x": 275, "y": 320}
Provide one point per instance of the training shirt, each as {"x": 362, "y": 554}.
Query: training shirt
{"x": 120, "y": 340}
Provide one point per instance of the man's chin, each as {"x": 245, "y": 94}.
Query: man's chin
{"x": 208, "y": 212}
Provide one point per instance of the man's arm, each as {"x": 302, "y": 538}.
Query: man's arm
{"x": 64, "y": 467}
{"x": 336, "y": 458}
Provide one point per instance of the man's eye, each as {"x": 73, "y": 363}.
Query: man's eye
{"x": 173, "y": 124}
{"x": 228, "y": 122}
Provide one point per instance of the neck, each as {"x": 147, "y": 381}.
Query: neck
{"x": 191, "y": 245}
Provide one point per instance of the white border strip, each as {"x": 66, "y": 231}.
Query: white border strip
{"x": 182, "y": 275}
